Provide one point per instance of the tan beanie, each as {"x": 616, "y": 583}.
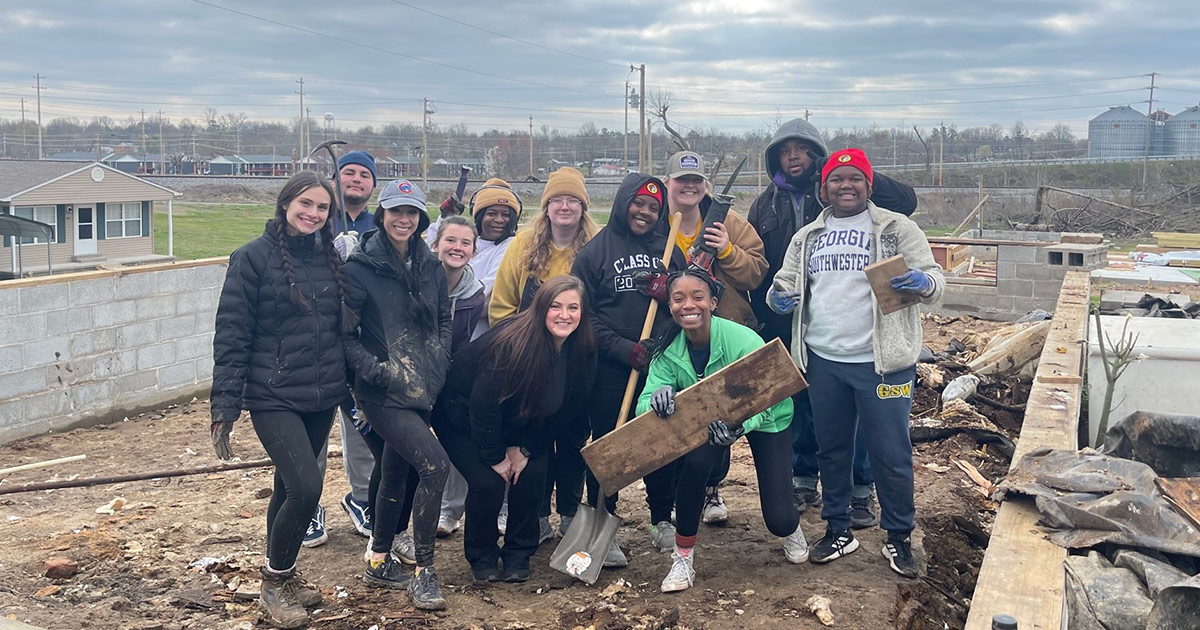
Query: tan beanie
{"x": 496, "y": 192}
{"x": 565, "y": 181}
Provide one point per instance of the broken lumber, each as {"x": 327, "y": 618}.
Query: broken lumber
{"x": 733, "y": 393}
{"x": 35, "y": 465}
{"x": 880, "y": 276}
{"x": 1012, "y": 353}
{"x": 1183, "y": 494}
{"x": 970, "y": 216}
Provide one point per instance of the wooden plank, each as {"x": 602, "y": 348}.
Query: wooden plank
{"x": 1022, "y": 573}
{"x": 733, "y": 393}
{"x": 992, "y": 242}
{"x": 970, "y": 215}
{"x": 1183, "y": 494}
{"x": 880, "y": 276}
{"x": 59, "y": 278}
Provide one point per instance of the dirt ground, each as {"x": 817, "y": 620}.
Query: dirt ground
{"x": 134, "y": 565}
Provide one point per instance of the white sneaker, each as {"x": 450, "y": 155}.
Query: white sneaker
{"x": 403, "y": 548}
{"x": 502, "y": 519}
{"x": 714, "y": 507}
{"x": 681, "y": 576}
{"x": 447, "y": 526}
{"x": 663, "y": 536}
{"x": 615, "y": 558}
{"x": 795, "y": 547}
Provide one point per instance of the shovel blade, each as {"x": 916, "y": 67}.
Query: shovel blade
{"x": 585, "y": 544}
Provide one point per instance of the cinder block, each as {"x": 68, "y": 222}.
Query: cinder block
{"x": 45, "y": 351}
{"x": 93, "y": 342}
{"x": 68, "y": 373}
{"x": 135, "y": 285}
{"x": 1047, "y": 289}
{"x": 10, "y": 302}
{"x": 177, "y": 374}
{"x": 93, "y": 396}
{"x": 1034, "y": 271}
{"x": 137, "y": 382}
{"x": 137, "y": 334}
{"x": 46, "y": 406}
{"x": 95, "y": 291}
{"x": 10, "y": 359}
{"x": 116, "y": 364}
{"x": 176, "y": 327}
{"x": 22, "y": 328}
{"x": 157, "y": 355}
{"x": 206, "y": 321}
{"x": 156, "y": 307}
{"x": 1016, "y": 253}
{"x": 1006, "y": 270}
{"x": 12, "y": 413}
{"x": 194, "y": 347}
{"x": 211, "y": 275}
{"x": 1015, "y": 287}
{"x": 113, "y": 313}
{"x": 43, "y": 298}
{"x": 176, "y": 280}
{"x": 21, "y": 383}
{"x": 204, "y": 369}
{"x": 193, "y": 302}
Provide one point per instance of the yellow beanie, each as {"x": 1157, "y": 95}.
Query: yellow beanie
{"x": 496, "y": 192}
{"x": 565, "y": 181}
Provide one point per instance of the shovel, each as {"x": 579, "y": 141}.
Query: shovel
{"x": 585, "y": 544}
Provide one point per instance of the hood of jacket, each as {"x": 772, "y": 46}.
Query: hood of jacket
{"x": 618, "y": 220}
{"x": 376, "y": 251}
{"x": 797, "y": 129}
{"x": 468, "y": 285}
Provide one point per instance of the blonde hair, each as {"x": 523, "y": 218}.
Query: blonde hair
{"x": 541, "y": 246}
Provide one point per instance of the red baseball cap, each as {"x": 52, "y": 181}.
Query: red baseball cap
{"x": 848, "y": 157}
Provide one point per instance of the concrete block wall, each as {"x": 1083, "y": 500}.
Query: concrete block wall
{"x": 96, "y": 346}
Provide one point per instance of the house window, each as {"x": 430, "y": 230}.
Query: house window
{"x": 122, "y": 220}
{"x": 41, "y": 214}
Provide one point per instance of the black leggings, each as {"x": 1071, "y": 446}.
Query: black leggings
{"x": 292, "y": 440}
{"x": 773, "y": 466}
{"x": 408, "y": 442}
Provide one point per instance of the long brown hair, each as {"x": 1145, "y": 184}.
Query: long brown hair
{"x": 524, "y": 350}
{"x": 295, "y": 185}
{"x": 542, "y": 246}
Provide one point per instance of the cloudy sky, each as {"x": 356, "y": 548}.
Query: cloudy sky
{"x": 738, "y": 65}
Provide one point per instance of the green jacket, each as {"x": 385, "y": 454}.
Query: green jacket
{"x": 729, "y": 342}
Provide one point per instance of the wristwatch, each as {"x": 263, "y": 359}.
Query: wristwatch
{"x": 524, "y": 451}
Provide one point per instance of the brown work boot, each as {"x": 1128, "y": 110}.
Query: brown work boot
{"x": 277, "y": 600}
{"x": 301, "y": 592}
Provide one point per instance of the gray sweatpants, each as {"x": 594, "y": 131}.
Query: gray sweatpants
{"x": 356, "y": 457}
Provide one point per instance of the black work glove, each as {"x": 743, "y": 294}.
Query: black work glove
{"x": 719, "y": 433}
{"x": 220, "y": 432}
{"x": 818, "y": 162}
{"x": 651, "y": 284}
{"x": 662, "y": 401}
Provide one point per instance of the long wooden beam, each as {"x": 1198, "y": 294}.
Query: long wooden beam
{"x": 1022, "y": 573}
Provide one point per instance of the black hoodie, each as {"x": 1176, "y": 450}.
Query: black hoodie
{"x": 607, "y": 265}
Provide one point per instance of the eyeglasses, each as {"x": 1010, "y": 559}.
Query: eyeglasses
{"x": 569, "y": 202}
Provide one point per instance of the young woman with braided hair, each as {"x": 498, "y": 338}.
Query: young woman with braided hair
{"x": 278, "y": 354}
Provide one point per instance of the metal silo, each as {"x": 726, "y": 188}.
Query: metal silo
{"x": 1118, "y": 132}
{"x": 1183, "y": 132}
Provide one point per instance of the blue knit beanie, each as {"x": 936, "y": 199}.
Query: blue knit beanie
{"x": 361, "y": 158}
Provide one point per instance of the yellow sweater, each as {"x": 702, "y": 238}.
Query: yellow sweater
{"x": 512, "y": 275}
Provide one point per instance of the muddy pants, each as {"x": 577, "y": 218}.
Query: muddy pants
{"x": 292, "y": 440}
{"x": 845, "y": 397}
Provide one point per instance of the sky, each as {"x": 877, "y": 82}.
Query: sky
{"x": 737, "y": 66}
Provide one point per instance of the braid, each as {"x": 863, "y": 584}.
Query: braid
{"x": 297, "y": 296}
{"x": 348, "y": 317}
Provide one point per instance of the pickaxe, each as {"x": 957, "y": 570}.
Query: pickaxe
{"x": 337, "y": 180}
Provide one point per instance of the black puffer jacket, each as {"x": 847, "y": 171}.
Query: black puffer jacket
{"x": 398, "y": 362}
{"x": 268, "y": 353}
{"x": 776, "y": 215}
{"x": 607, "y": 264}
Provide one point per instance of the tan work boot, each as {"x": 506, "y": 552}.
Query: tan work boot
{"x": 278, "y": 602}
{"x": 302, "y": 592}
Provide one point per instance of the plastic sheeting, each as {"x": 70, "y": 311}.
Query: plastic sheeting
{"x": 1169, "y": 443}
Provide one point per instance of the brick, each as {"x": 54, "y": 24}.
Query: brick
{"x": 134, "y": 286}
{"x": 96, "y": 291}
{"x": 156, "y": 307}
{"x": 204, "y": 369}
{"x": 137, "y": 334}
{"x": 93, "y": 342}
{"x": 176, "y": 327}
{"x": 10, "y": 302}
{"x": 21, "y": 328}
{"x": 116, "y": 364}
{"x": 47, "y": 297}
{"x": 177, "y": 374}
{"x": 194, "y": 347}
{"x": 21, "y": 383}
{"x": 45, "y": 351}
{"x": 46, "y": 406}
{"x": 113, "y": 313}
{"x": 141, "y": 381}
{"x": 157, "y": 355}
{"x": 10, "y": 358}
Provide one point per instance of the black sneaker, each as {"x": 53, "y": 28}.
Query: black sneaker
{"x": 898, "y": 551}
{"x": 486, "y": 574}
{"x": 515, "y": 574}
{"x": 805, "y": 498}
{"x": 833, "y": 545}
{"x": 425, "y": 592}
{"x": 862, "y": 512}
{"x": 386, "y": 573}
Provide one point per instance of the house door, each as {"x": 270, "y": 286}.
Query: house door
{"x": 85, "y": 230}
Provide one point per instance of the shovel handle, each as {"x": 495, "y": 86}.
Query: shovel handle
{"x": 648, "y": 325}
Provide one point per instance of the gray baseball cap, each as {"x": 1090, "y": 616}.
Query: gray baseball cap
{"x": 401, "y": 192}
{"x": 685, "y": 163}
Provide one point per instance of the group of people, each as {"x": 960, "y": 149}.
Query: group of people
{"x": 471, "y": 361}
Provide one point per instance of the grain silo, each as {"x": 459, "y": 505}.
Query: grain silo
{"x": 1183, "y": 132}
{"x": 1118, "y": 132}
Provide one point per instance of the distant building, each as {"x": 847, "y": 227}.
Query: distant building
{"x": 1122, "y": 132}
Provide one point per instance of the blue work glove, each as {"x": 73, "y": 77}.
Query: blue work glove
{"x": 662, "y": 401}
{"x": 780, "y": 300}
{"x": 915, "y": 281}
{"x": 719, "y": 433}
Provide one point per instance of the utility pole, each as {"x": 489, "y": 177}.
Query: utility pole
{"x": 24, "y": 141}
{"x": 97, "y": 147}
{"x": 941, "y": 152}
{"x": 806, "y": 114}
{"x": 425, "y": 144}
{"x": 1149, "y": 130}
{"x": 162, "y": 154}
{"x": 531, "y": 146}
{"x": 143, "y": 113}
{"x": 38, "y": 86}
{"x": 300, "y": 127}
{"x": 650, "y": 144}
{"x": 642, "y": 122}
{"x": 625, "y": 137}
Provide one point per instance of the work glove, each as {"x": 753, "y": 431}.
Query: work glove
{"x": 651, "y": 284}
{"x": 451, "y": 207}
{"x": 662, "y": 401}
{"x": 703, "y": 259}
{"x": 345, "y": 244}
{"x": 782, "y": 301}
{"x": 358, "y": 418}
{"x": 220, "y": 439}
{"x": 915, "y": 281}
{"x": 639, "y": 356}
{"x": 719, "y": 433}
{"x": 818, "y": 161}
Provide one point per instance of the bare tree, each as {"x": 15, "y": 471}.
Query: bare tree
{"x": 660, "y": 103}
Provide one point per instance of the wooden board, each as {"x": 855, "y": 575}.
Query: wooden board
{"x": 1081, "y": 238}
{"x": 733, "y": 393}
{"x": 880, "y": 275}
{"x": 1184, "y": 495}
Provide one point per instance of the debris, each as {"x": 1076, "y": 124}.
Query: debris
{"x": 937, "y": 468}
{"x": 218, "y": 540}
{"x": 930, "y": 376}
{"x": 262, "y": 493}
{"x": 617, "y": 587}
{"x": 1012, "y": 352}
{"x": 205, "y": 562}
{"x": 34, "y": 465}
{"x": 819, "y": 606}
{"x": 249, "y": 592}
{"x": 245, "y": 514}
{"x": 112, "y": 506}
{"x": 60, "y": 568}
{"x": 47, "y": 591}
{"x": 960, "y": 388}
{"x": 976, "y": 476}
